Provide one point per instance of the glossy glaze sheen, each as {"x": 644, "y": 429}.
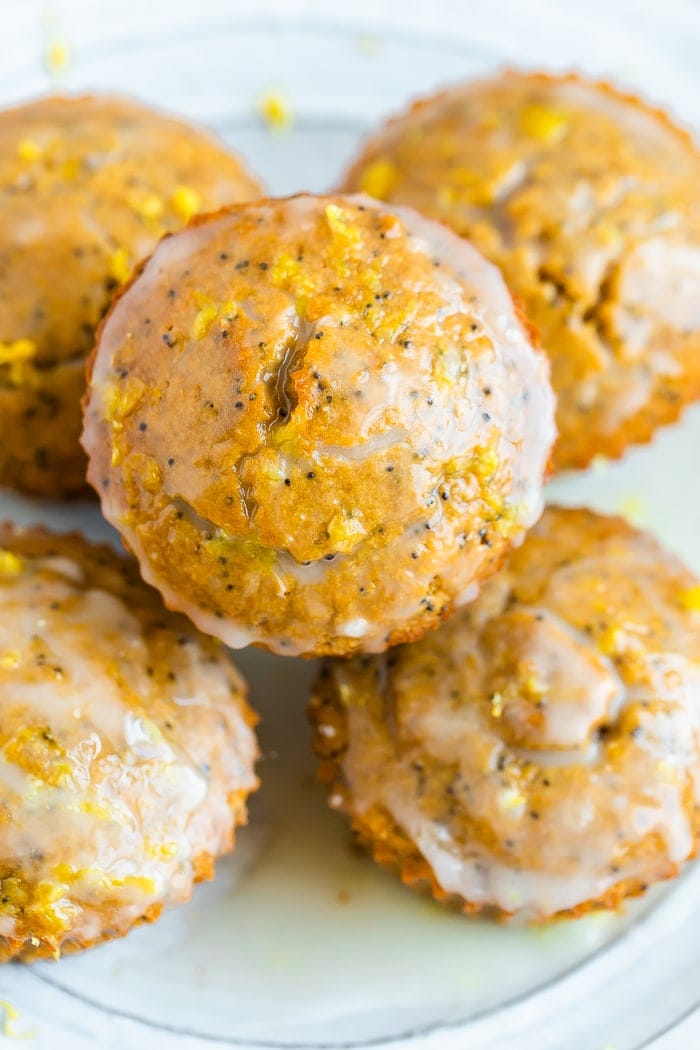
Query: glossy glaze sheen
{"x": 126, "y": 747}
{"x": 87, "y": 187}
{"x": 541, "y": 751}
{"x": 317, "y": 423}
{"x": 587, "y": 200}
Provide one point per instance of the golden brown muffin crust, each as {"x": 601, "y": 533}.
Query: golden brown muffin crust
{"x": 87, "y": 187}
{"x": 126, "y": 742}
{"x": 587, "y": 200}
{"x": 317, "y": 423}
{"x": 540, "y": 753}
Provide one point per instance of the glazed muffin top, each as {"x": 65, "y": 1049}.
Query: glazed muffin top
{"x": 126, "y": 742}
{"x": 540, "y": 752}
{"x": 587, "y": 200}
{"x": 87, "y": 187}
{"x": 318, "y": 423}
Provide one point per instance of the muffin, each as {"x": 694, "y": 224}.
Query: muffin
{"x": 587, "y": 200}
{"x": 127, "y": 748}
{"x": 87, "y": 187}
{"x": 540, "y": 753}
{"x": 318, "y": 423}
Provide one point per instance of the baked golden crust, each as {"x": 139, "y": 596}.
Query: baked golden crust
{"x": 318, "y": 423}
{"x": 540, "y": 753}
{"x": 127, "y": 748}
{"x": 586, "y": 198}
{"x": 87, "y": 187}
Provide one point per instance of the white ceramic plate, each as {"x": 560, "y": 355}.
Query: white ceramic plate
{"x": 301, "y": 942}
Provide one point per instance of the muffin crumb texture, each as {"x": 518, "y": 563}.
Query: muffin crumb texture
{"x": 317, "y": 423}
{"x": 127, "y": 748}
{"x": 540, "y": 753}
{"x": 587, "y": 201}
{"x": 87, "y": 188}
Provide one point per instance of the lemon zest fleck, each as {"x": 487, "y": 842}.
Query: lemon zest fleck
{"x": 511, "y": 800}
{"x": 120, "y": 265}
{"x": 148, "y": 206}
{"x": 543, "y": 122}
{"x": 10, "y": 564}
{"x": 275, "y": 111}
{"x": 186, "y": 202}
{"x": 379, "y": 179}
{"x": 19, "y": 350}
{"x": 28, "y": 150}
{"x": 120, "y": 399}
{"x": 209, "y": 312}
{"x": 58, "y": 56}
{"x": 344, "y": 530}
{"x": 342, "y": 225}
{"x": 484, "y": 463}
{"x": 632, "y": 508}
{"x": 12, "y": 1014}
{"x": 690, "y": 599}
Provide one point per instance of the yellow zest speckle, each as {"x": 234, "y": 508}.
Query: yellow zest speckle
{"x": 667, "y": 771}
{"x": 510, "y": 800}
{"x": 57, "y": 56}
{"x": 484, "y": 463}
{"x": 497, "y": 705}
{"x": 611, "y": 640}
{"x": 120, "y": 265}
{"x": 186, "y": 202}
{"x": 149, "y": 206}
{"x": 284, "y": 437}
{"x": 163, "y": 851}
{"x": 28, "y": 150}
{"x": 136, "y": 882}
{"x": 10, "y": 659}
{"x": 95, "y": 809}
{"x": 543, "y": 122}
{"x": 632, "y": 507}
{"x": 379, "y": 179}
{"x": 46, "y": 895}
{"x": 10, "y": 564}
{"x": 690, "y": 599}
{"x": 344, "y": 531}
{"x": 342, "y": 225}
{"x": 18, "y": 351}
{"x": 449, "y": 362}
{"x": 287, "y": 272}
{"x": 152, "y": 477}
{"x": 10, "y": 1015}
{"x": 209, "y": 312}
{"x": 532, "y": 687}
{"x": 120, "y": 399}
{"x": 249, "y": 549}
{"x": 36, "y": 751}
{"x": 275, "y": 111}
{"x": 203, "y": 320}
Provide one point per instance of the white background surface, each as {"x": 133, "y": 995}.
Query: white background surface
{"x": 268, "y": 954}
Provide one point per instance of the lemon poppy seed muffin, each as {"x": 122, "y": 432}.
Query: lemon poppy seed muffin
{"x": 317, "y": 423}
{"x": 127, "y": 748}
{"x": 540, "y": 753}
{"x": 587, "y": 200}
{"x": 87, "y": 187}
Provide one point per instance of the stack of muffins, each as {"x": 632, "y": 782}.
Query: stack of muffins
{"x": 322, "y": 425}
